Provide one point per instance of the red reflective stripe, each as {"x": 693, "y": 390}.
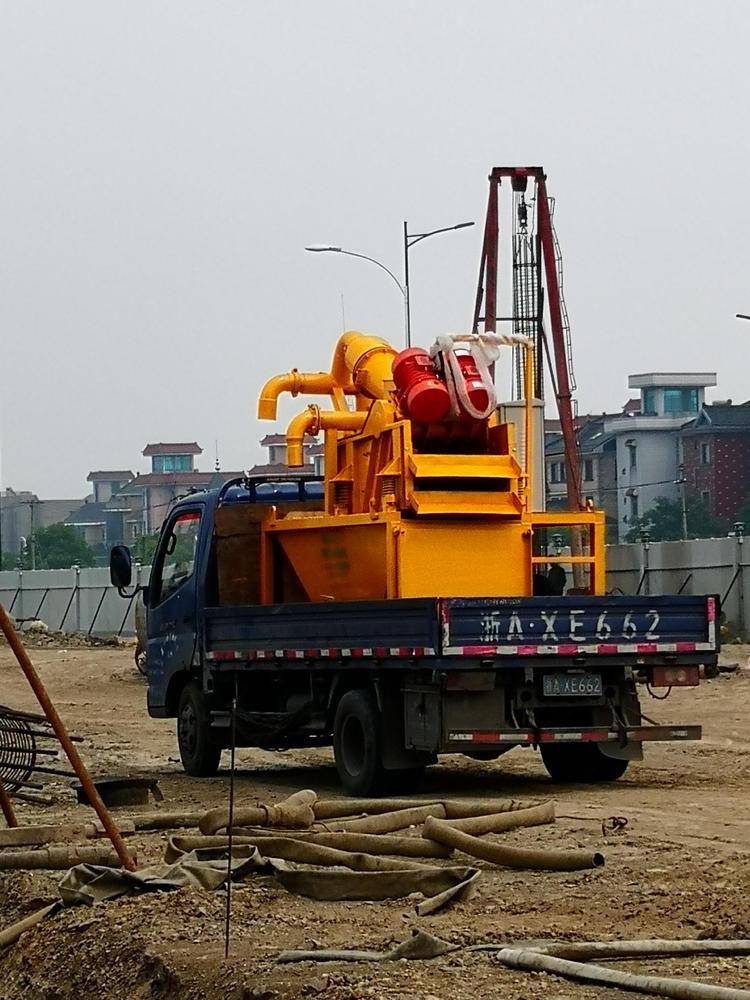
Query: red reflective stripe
{"x": 404, "y": 651}
{"x": 485, "y": 738}
{"x": 527, "y": 650}
{"x": 478, "y": 650}
{"x": 711, "y": 609}
{"x": 567, "y": 650}
{"x": 419, "y": 651}
{"x": 223, "y": 655}
{"x": 605, "y": 649}
{"x": 685, "y": 647}
{"x": 380, "y": 652}
{"x": 646, "y": 647}
{"x": 357, "y": 653}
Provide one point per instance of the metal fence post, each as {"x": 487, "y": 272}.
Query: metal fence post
{"x": 644, "y": 581}
{"x": 77, "y": 585}
{"x": 739, "y": 531}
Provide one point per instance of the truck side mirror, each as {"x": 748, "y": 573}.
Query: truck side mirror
{"x": 120, "y": 566}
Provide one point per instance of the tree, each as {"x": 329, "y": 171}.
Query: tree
{"x": 143, "y": 549}
{"x": 58, "y": 546}
{"x": 663, "y": 521}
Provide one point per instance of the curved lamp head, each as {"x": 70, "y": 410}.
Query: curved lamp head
{"x": 323, "y": 248}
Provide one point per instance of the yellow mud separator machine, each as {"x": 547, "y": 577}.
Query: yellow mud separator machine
{"x": 426, "y": 494}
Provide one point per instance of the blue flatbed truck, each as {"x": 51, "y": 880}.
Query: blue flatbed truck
{"x": 392, "y": 684}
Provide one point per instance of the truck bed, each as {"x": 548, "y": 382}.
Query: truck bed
{"x": 672, "y": 627}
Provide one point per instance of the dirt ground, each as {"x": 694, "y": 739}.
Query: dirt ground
{"x": 679, "y": 868}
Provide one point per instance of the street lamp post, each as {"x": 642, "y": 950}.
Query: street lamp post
{"x": 409, "y": 240}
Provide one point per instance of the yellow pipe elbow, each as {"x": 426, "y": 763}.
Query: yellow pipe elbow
{"x": 300, "y": 426}
{"x": 312, "y": 421}
{"x": 366, "y": 361}
{"x": 296, "y": 383}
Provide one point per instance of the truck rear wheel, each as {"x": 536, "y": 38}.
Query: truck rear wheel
{"x": 200, "y": 754}
{"x": 580, "y": 762}
{"x": 357, "y": 744}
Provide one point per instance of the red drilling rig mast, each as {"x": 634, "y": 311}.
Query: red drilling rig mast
{"x": 535, "y": 259}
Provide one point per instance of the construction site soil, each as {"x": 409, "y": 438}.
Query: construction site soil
{"x": 679, "y": 868}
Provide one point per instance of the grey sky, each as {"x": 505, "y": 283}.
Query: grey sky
{"x": 164, "y": 164}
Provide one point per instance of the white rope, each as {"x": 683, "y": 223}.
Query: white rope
{"x": 484, "y": 349}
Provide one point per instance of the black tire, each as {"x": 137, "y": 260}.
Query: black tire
{"x": 357, "y": 744}
{"x": 580, "y": 763}
{"x": 199, "y": 752}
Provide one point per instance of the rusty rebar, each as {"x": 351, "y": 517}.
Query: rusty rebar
{"x": 35, "y": 681}
{"x": 7, "y": 806}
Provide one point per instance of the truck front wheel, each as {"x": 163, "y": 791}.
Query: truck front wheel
{"x": 200, "y": 754}
{"x": 356, "y": 743}
{"x": 580, "y": 762}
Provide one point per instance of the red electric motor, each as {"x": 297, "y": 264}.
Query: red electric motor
{"x": 475, "y": 387}
{"x": 421, "y": 392}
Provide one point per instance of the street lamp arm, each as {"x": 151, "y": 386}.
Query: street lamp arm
{"x": 363, "y": 256}
{"x": 416, "y": 237}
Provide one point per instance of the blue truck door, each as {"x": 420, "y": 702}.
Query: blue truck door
{"x": 172, "y": 621}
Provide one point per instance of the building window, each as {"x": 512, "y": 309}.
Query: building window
{"x": 553, "y": 472}
{"x": 588, "y": 470}
{"x": 173, "y": 463}
{"x": 680, "y": 400}
{"x": 706, "y": 497}
{"x": 633, "y": 506}
{"x": 649, "y": 402}
{"x": 631, "y": 446}
{"x": 705, "y": 453}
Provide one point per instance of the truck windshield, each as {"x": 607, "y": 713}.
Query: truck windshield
{"x": 176, "y": 556}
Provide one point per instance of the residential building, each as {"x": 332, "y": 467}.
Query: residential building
{"x": 598, "y": 469}
{"x": 276, "y": 444}
{"x": 647, "y": 442}
{"x": 716, "y": 457}
{"x": 106, "y": 484}
{"x": 23, "y": 512}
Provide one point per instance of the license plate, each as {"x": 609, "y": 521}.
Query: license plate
{"x": 572, "y": 685}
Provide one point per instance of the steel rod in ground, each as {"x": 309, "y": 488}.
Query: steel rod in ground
{"x": 7, "y": 806}
{"x": 35, "y": 681}
{"x": 231, "y": 823}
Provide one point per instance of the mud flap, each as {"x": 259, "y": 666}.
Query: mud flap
{"x": 396, "y": 755}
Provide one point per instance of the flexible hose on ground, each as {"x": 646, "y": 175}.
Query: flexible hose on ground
{"x": 500, "y": 822}
{"x": 370, "y": 843}
{"x": 510, "y": 857}
{"x": 294, "y": 811}
{"x": 388, "y": 822}
{"x": 678, "y": 989}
